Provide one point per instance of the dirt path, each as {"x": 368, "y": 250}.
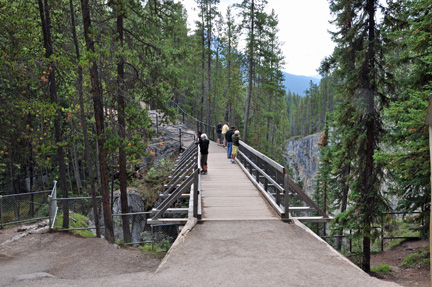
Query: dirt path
{"x": 405, "y": 276}
{"x": 233, "y": 253}
{"x": 37, "y": 253}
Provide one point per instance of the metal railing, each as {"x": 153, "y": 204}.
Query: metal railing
{"x": 276, "y": 186}
{"x": 53, "y": 208}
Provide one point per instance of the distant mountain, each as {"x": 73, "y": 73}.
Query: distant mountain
{"x": 298, "y": 84}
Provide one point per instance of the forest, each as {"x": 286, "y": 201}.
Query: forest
{"x": 78, "y": 78}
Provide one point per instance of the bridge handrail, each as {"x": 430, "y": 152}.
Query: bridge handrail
{"x": 186, "y": 175}
{"x": 265, "y": 158}
{"x": 274, "y": 183}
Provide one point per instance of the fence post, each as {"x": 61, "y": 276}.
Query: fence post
{"x": 257, "y": 172}
{"x": 157, "y": 123}
{"x": 286, "y": 197}
{"x": 52, "y": 199}
{"x": 278, "y": 195}
{"x": 180, "y": 140}
{"x": 382, "y": 232}
{"x": 195, "y": 194}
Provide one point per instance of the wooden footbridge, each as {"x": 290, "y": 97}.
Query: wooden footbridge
{"x": 254, "y": 188}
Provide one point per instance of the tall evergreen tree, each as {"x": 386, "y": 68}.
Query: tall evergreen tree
{"x": 408, "y": 27}
{"x": 251, "y": 10}
{"x": 357, "y": 60}
{"x": 44, "y": 10}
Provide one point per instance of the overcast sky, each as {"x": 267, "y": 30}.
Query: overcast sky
{"x": 303, "y": 26}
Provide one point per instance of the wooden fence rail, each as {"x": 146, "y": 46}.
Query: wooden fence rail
{"x": 183, "y": 183}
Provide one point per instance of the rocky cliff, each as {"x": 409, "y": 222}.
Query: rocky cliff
{"x": 302, "y": 155}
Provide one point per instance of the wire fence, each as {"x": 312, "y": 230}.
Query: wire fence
{"x": 23, "y": 207}
{"x": 35, "y": 206}
{"x": 390, "y": 230}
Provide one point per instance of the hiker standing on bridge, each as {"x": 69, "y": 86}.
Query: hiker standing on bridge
{"x": 219, "y": 132}
{"x": 204, "y": 147}
{"x": 225, "y": 128}
{"x": 228, "y": 137}
{"x": 235, "y": 145}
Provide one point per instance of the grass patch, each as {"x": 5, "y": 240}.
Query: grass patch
{"x": 418, "y": 259}
{"x": 76, "y": 220}
{"x": 153, "y": 250}
{"x": 382, "y": 269}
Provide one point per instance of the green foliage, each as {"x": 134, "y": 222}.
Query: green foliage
{"x": 307, "y": 115}
{"x": 409, "y": 46}
{"x": 152, "y": 183}
{"x": 154, "y": 250}
{"x": 382, "y": 268}
{"x": 76, "y": 220}
{"x": 416, "y": 260}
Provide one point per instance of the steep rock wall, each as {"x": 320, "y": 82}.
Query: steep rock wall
{"x": 302, "y": 155}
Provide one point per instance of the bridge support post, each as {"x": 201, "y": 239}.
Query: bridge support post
{"x": 286, "y": 197}
{"x": 195, "y": 194}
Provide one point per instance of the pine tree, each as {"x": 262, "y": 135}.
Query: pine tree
{"x": 357, "y": 60}
{"x": 408, "y": 28}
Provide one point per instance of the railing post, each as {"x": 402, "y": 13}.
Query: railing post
{"x": 180, "y": 140}
{"x": 195, "y": 194}
{"x": 286, "y": 196}
{"x": 257, "y": 172}
{"x": 382, "y": 232}
{"x": 52, "y": 199}
{"x": 278, "y": 195}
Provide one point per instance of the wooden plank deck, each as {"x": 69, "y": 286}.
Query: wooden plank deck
{"x": 228, "y": 194}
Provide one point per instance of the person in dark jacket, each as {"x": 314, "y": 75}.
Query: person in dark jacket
{"x": 236, "y": 144}
{"x": 204, "y": 148}
{"x": 219, "y": 132}
{"x": 228, "y": 137}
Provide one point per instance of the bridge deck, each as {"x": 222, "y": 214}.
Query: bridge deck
{"x": 228, "y": 194}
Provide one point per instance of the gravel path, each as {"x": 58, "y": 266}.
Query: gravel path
{"x": 216, "y": 253}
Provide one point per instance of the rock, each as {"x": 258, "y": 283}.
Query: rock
{"x": 31, "y": 276}
{"x": 302, "y": 156}
{"x": 137, "y": 222}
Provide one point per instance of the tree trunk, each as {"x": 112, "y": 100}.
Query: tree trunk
{"x": 83, "y": 121}
{"x": 122, "y": 127}
{"x": 45, "y": 19}
{"x": 75, "y": 161}
{"x": 209, "y": 53}
{"x": 203, "y": 90}
{"x": 98, "y": 108}
{"x": 344, "y": 202}
{"x": 367, "y": 81}
{"x": 251, "y": 64}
